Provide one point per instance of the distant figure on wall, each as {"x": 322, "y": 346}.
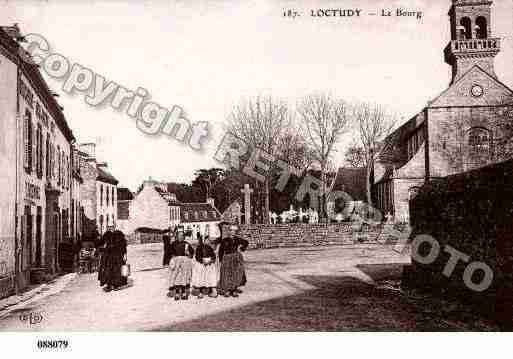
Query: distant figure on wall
{"x": 113, "y": 257}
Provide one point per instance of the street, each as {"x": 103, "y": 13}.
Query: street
{"x": 289, "y": 289}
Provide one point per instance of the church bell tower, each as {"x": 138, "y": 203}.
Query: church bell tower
{"x": 471, "y": 38}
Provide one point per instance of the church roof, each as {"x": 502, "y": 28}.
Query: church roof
{"x": 474, "y": 70}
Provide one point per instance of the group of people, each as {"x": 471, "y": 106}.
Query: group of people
{"x": 112, "y": 247}
{"x": 213, "y": 267}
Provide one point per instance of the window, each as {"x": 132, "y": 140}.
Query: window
{"x": 196, "y": 215}
{"x": 186, "y": 216}
{"x": 107, "y": 195}
{"x": 59, "y": 168}
{"x": 39, "y": 151}
{"x": 204, "y": 214}
{"x": 28, "y": 141}
{"x": 112, "y": 197}
{"x": 479, "y": 141}
{"x": 101, "y": 223}
{"x": 47, "y": 152}
{"x": 101, "y": 195}
{"x": 213, "y": 214}
{"x": 481, "y": 28}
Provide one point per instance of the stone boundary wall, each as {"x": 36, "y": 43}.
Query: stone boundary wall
{"x": 473, "y": 213}
{"x": 304, "y": 234}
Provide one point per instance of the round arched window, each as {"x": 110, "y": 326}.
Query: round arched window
{"x": 479, "y": 140}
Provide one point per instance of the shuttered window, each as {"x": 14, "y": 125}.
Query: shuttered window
{"x": 59, "y": 166}
{"x": 47, "y": 158}
{"x": 28, "y": 133}
{"x": 39, "y": 151}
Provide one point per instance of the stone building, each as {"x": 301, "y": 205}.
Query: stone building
{"x": 125, "y": 198}
{"x": 155, "y": 207}
{"x": 36, "y": 181}
{"x": 98, "y": 192}
{"x": 461, "y": 129}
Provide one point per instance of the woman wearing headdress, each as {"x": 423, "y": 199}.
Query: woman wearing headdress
{"x": 180, "y": 266}
{"x": 204, "y": 270}
{"x": 231, "y": 261}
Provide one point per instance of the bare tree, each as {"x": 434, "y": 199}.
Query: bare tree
{"x": 325, "y": 119}
{"x": 373, "y": 124}
{"x": 294, "y": 148}
{"x": 262, "y": 123}
{"x": 207, "y": 179}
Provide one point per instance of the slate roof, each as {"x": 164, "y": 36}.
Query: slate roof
{"x": 195, "y": 212}
{"x": 167, "y": 196}
{"x": 105, "y": 176}
{"x": 10, "y": 48}
{"x": 124, "y": 194}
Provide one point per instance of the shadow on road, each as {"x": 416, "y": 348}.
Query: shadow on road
{"x": 338, "y": 303}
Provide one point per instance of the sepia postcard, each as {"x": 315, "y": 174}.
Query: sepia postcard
{"x": 254, "y": 166}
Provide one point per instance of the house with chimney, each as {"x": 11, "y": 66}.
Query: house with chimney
{"x": 155, "y": 207}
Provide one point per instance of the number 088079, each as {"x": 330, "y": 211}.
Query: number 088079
{"x": 52, "y": 344}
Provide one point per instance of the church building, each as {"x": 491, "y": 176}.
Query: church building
{"x": 465, "y": 127}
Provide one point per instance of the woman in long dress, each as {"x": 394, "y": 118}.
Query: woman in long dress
{"x": 232, "y": 273}
{"x": 180, "y": 266}
{"x": 204, "y": 270}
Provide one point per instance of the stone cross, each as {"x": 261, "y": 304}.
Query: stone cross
{"x": 247, "y": 203}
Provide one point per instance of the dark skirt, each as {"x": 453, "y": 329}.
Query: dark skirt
{"x": 110, "y": 270}
{"x": 232, "y": 271}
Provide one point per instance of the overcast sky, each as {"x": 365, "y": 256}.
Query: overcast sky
{"x": 205, "y": 55}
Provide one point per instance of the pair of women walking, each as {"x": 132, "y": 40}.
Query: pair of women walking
{"x": 201, "y": 269}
